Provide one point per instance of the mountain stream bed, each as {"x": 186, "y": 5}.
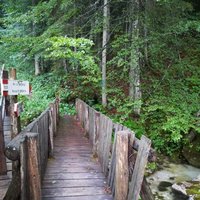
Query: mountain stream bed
{"x": 162, "y": 180}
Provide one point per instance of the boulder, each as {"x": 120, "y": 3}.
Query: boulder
{"x": 192, "y": 153}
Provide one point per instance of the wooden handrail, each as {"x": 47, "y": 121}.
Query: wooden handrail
{"x": 84, "y": 116}
{"x": 31, "y": 149}
{"x": 3, "y": 166}
{"x": 100, "y": 130}
{"x": 2, "y": 106}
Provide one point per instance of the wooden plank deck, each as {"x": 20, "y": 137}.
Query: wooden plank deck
{"x": 73, "y": 174}
{"x": 5, "y": 179}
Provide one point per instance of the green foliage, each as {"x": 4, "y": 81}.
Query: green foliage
{"x": 136, "y": 126}
{"x": 77, "y": 52}
{"x": 170, "y": 116}
{"x": 84, "y": 71}
{"x": 151, "y": 166}
{"x": 67, "y": 109}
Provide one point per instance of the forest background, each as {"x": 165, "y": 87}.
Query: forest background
{"x": 135, "y": 60}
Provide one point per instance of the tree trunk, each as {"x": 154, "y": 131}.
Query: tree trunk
{"x": 36, "y": 56}
{"x": 104, "y": 51}
{"x": 65, "y": 65}
{"x": 134, "y": 73}
{"x": 37, "y": 64}
{"x": 148, "y": 7}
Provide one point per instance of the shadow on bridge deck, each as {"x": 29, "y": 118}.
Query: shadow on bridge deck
{"x": 73, "y": 174}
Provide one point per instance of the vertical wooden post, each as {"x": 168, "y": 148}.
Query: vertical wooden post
{"x": 3, "y": 167}
{"x": 34, "y": 184}
{"x": 15, "y": 121}
{"x": 96, "y": 134}
{"x": 53, "y": 118}
{"x": 139, "y": 169}
{"x": 122, "y": 173}
{"x": 57, "y": 109}
{"x": 107, "y": 144}
{"x": 112, "y": 170}
{"x": 51, "y": 130}
{"x": 23, "y": 170}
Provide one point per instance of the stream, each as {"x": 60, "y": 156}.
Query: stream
{"x": 170, "y": 173}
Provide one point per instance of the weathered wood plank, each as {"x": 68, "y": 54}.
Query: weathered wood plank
{"x": 4, "y": 183}
{"x": 74, "y": 176}
{"x": 61, "y": 165}
{"x": 122, "y": 172}
{"x": 74, "y": 183}
{"x": 91, "y": 130}
{"x": 85, "y": 117}
{"x": 80, "y": 169}
{"x": 139, "y": 169}
{"x": 105, "y": 136}
{"x": 34, "y": 184}
{"x": 107, "y": 144}
{"x": 76, "y": 191}
{"x": 111, "y": 176}
{"x": 51, "y": 132}
{"x": 96, "y": 134}
{"x": 136, "y": 143}
{"x": 57, "y": 103}
{"x": 91, "y": 197}
{"x": 23, "y": 170}
{"x": 101, "y": 138}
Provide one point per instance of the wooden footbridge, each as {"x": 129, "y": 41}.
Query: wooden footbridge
{"x": 82, "y": 157}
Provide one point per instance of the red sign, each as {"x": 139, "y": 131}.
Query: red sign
{"x": 4, "y": 87}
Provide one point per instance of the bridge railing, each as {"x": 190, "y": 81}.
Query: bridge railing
{"x": 3, "y": 167}
{"x": 123, "y": 157}
{"x": 30, "y": 151}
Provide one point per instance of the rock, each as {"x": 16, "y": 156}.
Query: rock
{"x": 191, "y": 153}
{"x": 163, "y": 185}
{"x": 188, "y": 189}
{"x": 180, "y": 188}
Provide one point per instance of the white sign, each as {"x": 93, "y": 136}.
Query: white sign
{"x": 16, "y": 87}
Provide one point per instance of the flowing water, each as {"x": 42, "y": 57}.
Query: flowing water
{"x": 161, "y": 181}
